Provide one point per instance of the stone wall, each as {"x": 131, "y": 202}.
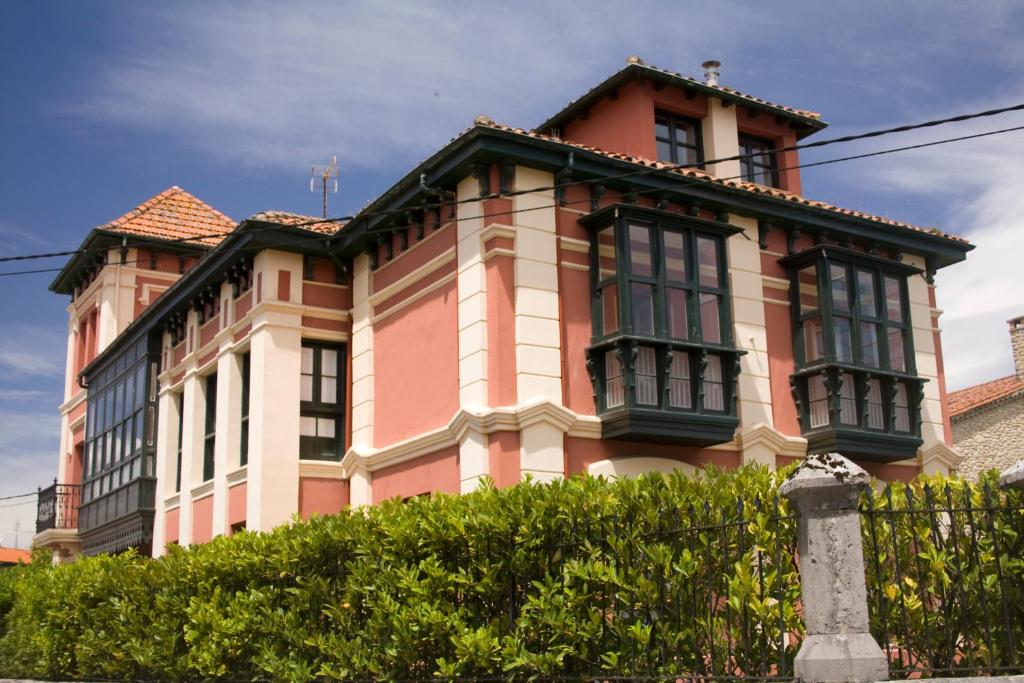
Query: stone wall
{"x": 990, "y": 437}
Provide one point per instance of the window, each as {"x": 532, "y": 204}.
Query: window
{"x": 321, "y": 391}
{"x": 243, "y": 444}
{"x": 210, "y": 430}
{"x": 855, "y": 382}
{"x": 757, "y": 161}
{"x": 678, "y": 139}
{"x": 181, "y": 440}
{"x": 661, "y": 357}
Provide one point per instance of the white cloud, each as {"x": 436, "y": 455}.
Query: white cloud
{"x": 29, "y": 350}
{"x": 976, "y": 186}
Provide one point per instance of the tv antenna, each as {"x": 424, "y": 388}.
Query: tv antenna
{"x": 325, "y": 180}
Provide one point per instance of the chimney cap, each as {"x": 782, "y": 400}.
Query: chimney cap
{"x": 1015, "y": 322}
{"x": 633, "y": 59}
{"x": 712, "y": 70}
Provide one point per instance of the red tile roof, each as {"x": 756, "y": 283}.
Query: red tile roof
{"x": 979, "y": 395}
{"x": 311, "y": 223}
{"x": 698, "y": 174}
{"x": 174, "y": 214}
{"x": 14, "y": 556}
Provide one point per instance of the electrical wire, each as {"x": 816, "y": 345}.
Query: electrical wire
{"x": 816, "y": 144}
{"x": 20, "y": 495}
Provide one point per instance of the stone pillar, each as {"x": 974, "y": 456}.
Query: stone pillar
{"x": 838, "y": 648}
{"x": 1013, "y": 477}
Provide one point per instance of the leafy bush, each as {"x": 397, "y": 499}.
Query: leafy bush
{"x": 575, "y": 576}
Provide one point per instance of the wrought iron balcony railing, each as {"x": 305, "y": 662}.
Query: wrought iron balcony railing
{"x": 58, "y": 507}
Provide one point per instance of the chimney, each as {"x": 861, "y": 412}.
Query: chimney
{"x": 712, "y": 70}
{"x": 1017, "y": 344}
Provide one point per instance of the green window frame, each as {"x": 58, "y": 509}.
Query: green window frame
{"x": 678, "y": 139}
{"x": 662, "y": 344}
{"x": 210, "y": 430}
{"x": 243, "y": 443}
{"x": 855, "y": 377}
{"x": 322, "y": 394}
{"x": 758, "y": 163}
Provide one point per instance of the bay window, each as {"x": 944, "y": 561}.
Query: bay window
{"x": 855, "y": 383}
{"x": 661, "y": 359}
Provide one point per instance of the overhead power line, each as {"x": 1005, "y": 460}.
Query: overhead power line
{"x": 20, "y": 495}
{"x": 810, "y": 145}
{"x": 647, "y": 171}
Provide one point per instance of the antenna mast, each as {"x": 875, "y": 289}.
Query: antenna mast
{"x": 324, "y": 179}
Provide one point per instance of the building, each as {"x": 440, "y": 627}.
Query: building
{"x": 523, "y": 303}
{"x": 10, "y": 557}
{"x": 988, "y": 418}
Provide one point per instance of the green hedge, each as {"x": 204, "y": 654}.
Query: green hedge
{"x": 422, "y": 588}
{"x": 652, "y": 575}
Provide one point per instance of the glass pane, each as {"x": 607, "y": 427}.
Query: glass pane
{"x": 897, "y": 361}
{"x": 844, "y": 340}
{"x": 675, "y": 257}
{"x": 707, "y": 252}
{"x": 807, "y": 278}
{"x": 875, "y": 418}
{"x": 646, "y": 377}
{"x": 661, "y": 128}
{"x": 893, "y": 300}
{"x": 679, "y": 394}
{"x": 848, "y": 400}
{"x": 325, "y": 427}
{"x": 307, "y": 360}
{"x": 840, "y": 288}
{"x": 140, "y": 385}
{"x": 307, "y": 426}
{"x": 866, "y": 293}
{"x": 606, "y": 253}
{"x": 306, "y": 388}
{"x": 685, "y": 155}
{"x": 710, "y": 323}
{"x": 818, "y": 401}
{"x": 713, "y": 395}
{"x": 329, "y": 362}
{"x": 901, "y": 410}
{"x": 814, "y": 342}
{"x": 138, "y": 430}
{"x": 869, "y": 344}
{"x": 664, "y": 151}
{"x": 129, "y": 393}
{"x": 640, "y": 257}
{"x": 328, "y": 390}
{"x": 677, "y": 314}
{"x": 614, "y": 395}
{"x": 610, "y": 308}
{"x": 643, "y": 308}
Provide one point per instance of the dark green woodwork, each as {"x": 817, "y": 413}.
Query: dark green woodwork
{"x": 655, "y": 380}
{"x": 867, "y": 409}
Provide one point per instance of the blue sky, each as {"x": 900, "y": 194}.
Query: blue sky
{"x": 105, "y": 104}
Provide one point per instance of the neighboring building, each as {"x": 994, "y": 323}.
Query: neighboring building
{"x": 538, "y": 303}
{"x": 988, "y": 418}
{"x": 10, "y": 557}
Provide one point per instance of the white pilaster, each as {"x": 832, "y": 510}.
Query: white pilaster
{"x": 225, "y": 453}
{"x": 472, "y": 288}
{"x": 362, "y": 354}
{"x": 925, "y": 356}
{"x": 721, "y": 138}
{"x": 473, "y": 460}
{"x": 359, "y": 490}
{"x": 166, "y": 463}
{"x": 192, "y": 425}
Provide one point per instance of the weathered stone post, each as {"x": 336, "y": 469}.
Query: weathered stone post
{"x": 838, "y": 648}
{"x": 1013, "y": 477}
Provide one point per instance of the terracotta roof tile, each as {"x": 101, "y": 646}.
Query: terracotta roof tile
{"x": 174, "y": 214}
{"x": 311, "y": 223}
{"x": 979, "y": 395}
{"x": 698, "y": 174}
{"x": 14, "y": 555}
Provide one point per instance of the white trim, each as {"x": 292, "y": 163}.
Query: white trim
{"x": 414, "y": 298}
{"x": 497, "y": 251}
{"x": 203, "y": 490}
{"x": 497, "y": 230}
{"x": 476, "y": 420}
{"x": 73, "y": 402}
{"x": 574, "y": 266}
{"x": 625, "y": 466}
{"x": 238, "y": 476}
{"x": 152, "y": 290}
{"x": 322, "y": 469}
{"x": 773, "y": 282}
{"x": 573, "y": 244}
{"x": 412, "y": 278}
{"x": 172, "y": 502}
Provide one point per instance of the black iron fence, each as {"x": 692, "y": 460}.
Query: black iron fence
{"x": 945, "y": 577}
{"x": 691, "y": 594}
{"x": 57, "y": 507}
